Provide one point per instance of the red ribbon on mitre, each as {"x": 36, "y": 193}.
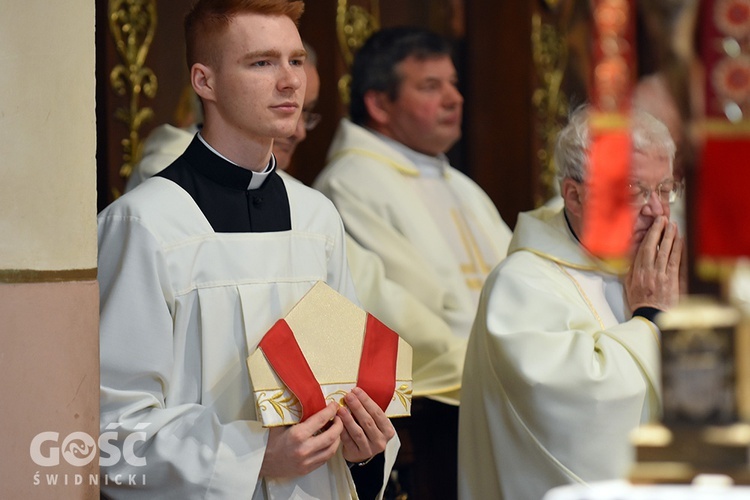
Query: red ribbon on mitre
{"x": 377, "y": 366}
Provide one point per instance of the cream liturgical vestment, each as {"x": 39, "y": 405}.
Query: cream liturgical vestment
{"x": 183, "y": 304}
{"x": 161, "y": 147}
{"x": 556, "y": 373}
{"x": 422, "y": 230}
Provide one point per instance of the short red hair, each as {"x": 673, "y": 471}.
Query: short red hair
{"x": 209, "y": 18}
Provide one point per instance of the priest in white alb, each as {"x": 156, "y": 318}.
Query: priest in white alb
{"x": 563, "y": 358}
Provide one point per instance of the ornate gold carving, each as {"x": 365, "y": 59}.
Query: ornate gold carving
{"x": 132, "y": 24}
{"x": 354, "y": 25}
{"x": 550, "y": 55}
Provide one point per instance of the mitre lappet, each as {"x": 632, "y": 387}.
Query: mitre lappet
{"x": 324, "y": 347}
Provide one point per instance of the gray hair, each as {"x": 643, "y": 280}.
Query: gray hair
{"x": 647, "y": 133}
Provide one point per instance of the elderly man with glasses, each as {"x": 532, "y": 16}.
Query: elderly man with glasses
{"x": 563, "y": 358}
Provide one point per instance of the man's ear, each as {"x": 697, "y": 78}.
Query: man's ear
{"x": 201, "y": 78}
{"x": 572, "y": 194}
{"x": 377, "y": 104}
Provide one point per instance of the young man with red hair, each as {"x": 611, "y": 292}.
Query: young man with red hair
{"x": 199, "y": 262}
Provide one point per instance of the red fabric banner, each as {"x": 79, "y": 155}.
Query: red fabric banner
{"x": 608, "y": 217}
{"x": 723, "y": 207}
{"x": 377, "y": 367}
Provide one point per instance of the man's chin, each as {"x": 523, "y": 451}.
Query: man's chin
{"x": 282, "y": 145}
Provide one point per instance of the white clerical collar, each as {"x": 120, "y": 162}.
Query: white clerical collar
{"x": 258, "y": 178}
{"x": 428, "y": 166}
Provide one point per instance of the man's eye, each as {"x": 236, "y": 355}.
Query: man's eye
{"x": 261, "y": 63}
{"x": 430, "y": 86}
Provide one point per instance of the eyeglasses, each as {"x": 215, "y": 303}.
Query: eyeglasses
{"x": 667, "y": 192}
{"x": 310, "y": 119}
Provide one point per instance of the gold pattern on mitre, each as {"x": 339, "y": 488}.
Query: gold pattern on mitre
{"x": 330, "y": 331}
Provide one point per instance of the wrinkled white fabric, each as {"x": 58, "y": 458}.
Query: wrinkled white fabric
{"x": 404, "y": 248}
{"x": 555, "y": 377}
{"x": 181, "y": 309}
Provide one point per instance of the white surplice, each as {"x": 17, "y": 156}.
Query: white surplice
{"x": 556, "y": 376}
{"x": 181, "y": 309}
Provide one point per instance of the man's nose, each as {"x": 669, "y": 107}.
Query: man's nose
{"x": 290, "y": 78}
{"x": 654, "y": 206}
{"x": 452, "y": 96}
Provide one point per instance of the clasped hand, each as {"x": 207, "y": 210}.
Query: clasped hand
{"x": 361, "y": 427}
{"x": 654, "y": 276}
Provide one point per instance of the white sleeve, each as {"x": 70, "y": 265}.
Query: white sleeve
{"x": 157, "y": 448}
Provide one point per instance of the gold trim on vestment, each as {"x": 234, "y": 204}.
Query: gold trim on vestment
{"x": 583, "y": 294}
{"x": 278, "y": 407}
{"x": 437, "y": 392}
{"x": 404, "y": 169}
{"x": 654, "y": 331}
{"x": 476, "y": 265}
{"x": 556, "y": 260}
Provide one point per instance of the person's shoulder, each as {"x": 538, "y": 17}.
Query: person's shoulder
{"x": 456, "y": 176}
{"x": 522, "y": 258}
{"x": 523, "y": 270}
{"x": 159, "y": 207}
{"x": 362, "y": 171}
{"x": 357, "y": 151}
{"x": 304, "y": 196}
{"x": 153, "y": 196}
{"x": 295, "y": 188}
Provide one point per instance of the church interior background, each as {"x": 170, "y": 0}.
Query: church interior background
{"x": 522, "y": 65}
